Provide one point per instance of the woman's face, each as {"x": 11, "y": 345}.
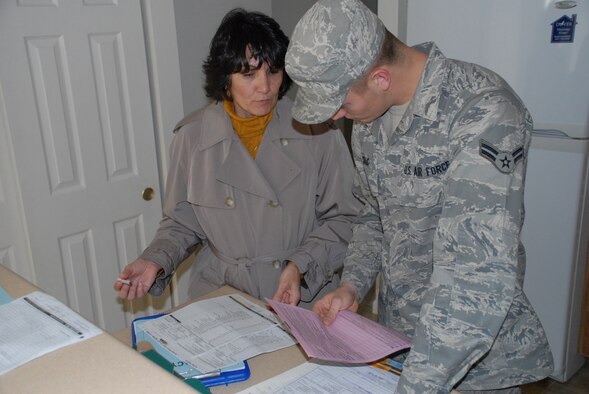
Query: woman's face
{"x": 255, "y": 92}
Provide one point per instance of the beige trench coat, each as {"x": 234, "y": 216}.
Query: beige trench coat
{"x": 293, "y": 202}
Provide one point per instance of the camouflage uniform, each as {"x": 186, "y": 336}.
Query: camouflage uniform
{"x": 443, "y": 211}
{"x": 443, "y": 205}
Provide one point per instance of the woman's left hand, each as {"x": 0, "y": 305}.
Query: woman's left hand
{"x": 289, "y": 285}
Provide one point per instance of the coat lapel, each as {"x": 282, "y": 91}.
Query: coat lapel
{"x": 277, "y": 167}
{"x": 223, "y": 153}
{"x": 273, "y": 170}
{"x": 240, "y": 171}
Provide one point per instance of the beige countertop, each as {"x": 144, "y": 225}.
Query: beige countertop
{"x": 100, "y": 364}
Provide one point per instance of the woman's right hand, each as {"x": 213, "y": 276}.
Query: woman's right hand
{"x": 344, "y": 297}
{"x": 141, "y": 273}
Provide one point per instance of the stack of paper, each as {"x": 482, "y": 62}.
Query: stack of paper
{"x": 312, "y": 377}
{"x": 37, "y": 324}
{"x": 351, "y": 338}
{"x": 218, "y": 332}
{"x": 340, "y": 350}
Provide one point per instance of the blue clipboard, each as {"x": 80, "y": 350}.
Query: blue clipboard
{"x": 231, "y": 374}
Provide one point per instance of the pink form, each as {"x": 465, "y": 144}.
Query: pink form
{"x": 351, "y": 338}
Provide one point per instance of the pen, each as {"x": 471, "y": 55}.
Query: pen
{"x": 51, "y": 315}
{"x": 389, "y": 368}
{"x": 210, "y": 374}
{"x": 389, "y": 365}
{"x": 125, "y": 281}
{"x": 205, "y": 375}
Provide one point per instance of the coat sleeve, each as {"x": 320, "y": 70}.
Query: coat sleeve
{"x": 321, "y": 254}
{"x": 476, "y": 247}
{"x": 178, "y": 233}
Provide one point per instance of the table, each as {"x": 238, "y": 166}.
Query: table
{"x": 101, "y": 364}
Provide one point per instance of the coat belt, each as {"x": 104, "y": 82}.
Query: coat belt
{"x": 247, "y": 267}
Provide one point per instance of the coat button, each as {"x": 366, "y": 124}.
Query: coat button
{"x": 273, "y": 203}
{"x": 276, "y": 264}
{"x": 284, "y": 141}
{"x": 229, "y": 202}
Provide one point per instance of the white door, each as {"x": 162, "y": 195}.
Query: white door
{"x": 77, "y": 112}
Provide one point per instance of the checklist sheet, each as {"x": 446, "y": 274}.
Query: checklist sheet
{"x": 351, "y": 338}
{"x": 214, "y": 333}
{"x": 37, "y": 324}
{"x": 316, "y": 377}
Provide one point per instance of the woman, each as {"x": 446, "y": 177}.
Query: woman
{"x": 272, "y": 206}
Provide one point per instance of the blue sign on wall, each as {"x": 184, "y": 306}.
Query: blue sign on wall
{"x": 563, "y": 29}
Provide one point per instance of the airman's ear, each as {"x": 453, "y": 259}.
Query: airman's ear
{"x": 380, "y": 77}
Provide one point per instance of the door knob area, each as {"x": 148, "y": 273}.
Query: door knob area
{"x": 147, "y": 193}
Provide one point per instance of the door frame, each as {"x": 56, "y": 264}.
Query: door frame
{"x": 161, "y": 45}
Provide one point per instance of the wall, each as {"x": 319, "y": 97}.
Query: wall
{"x": 390, "y": 13}
{"x": 288, "y": 13}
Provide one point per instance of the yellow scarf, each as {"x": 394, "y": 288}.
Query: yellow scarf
{"x": 250, "y": 130}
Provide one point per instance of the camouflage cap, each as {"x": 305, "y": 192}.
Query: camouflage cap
{"x": 333, "y": 44}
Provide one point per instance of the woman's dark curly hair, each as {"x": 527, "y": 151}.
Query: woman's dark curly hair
{"x": 241, "y": 30}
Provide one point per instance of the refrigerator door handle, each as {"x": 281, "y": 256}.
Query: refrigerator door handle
{"x": 553, "y": 133}
{"x": 565, "y": 4}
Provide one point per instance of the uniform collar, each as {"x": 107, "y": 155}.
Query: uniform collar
{"x": 427, "y": 95}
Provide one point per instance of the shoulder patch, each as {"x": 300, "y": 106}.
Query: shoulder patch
{"x": 504, "y": 161}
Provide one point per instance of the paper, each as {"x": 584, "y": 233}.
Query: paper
{"x": 324, "y": 378}
{"x": 351, "y": 338}
{"x": 180, "y": 369}
{"x": 218, "y": 332}
{"x": 37, "y": 324}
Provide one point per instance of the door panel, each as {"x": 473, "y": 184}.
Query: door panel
{"x": 14, "y": 252}
{"x": 78, "y": 108}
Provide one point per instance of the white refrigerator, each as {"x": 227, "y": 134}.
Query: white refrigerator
{"x": 541, "y": 47}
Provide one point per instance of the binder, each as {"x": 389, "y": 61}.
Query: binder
{"x": 392, "y": 363}
{"x": 159, "y": 354}
{"x": 5, "y": 298}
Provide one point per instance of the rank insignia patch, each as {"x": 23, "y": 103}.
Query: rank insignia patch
{"x": 504, "y": 161}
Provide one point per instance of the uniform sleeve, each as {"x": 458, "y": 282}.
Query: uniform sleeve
{"x": 476, "y": 245}
{"x": 322, "y": 253}
{"x": 363, "y": 261}
{"x": 178, "y": 233}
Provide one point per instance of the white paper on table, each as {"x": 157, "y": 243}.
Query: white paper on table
{"x": 311, "y": 377}
{"x": 218, "y": 332}
{"x": 351, "y": 338}
{"x": 37, "y": 324}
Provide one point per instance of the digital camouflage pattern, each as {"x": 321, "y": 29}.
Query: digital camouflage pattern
{"x": 442, "y": 223}
{"x": 330, "y": 48}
